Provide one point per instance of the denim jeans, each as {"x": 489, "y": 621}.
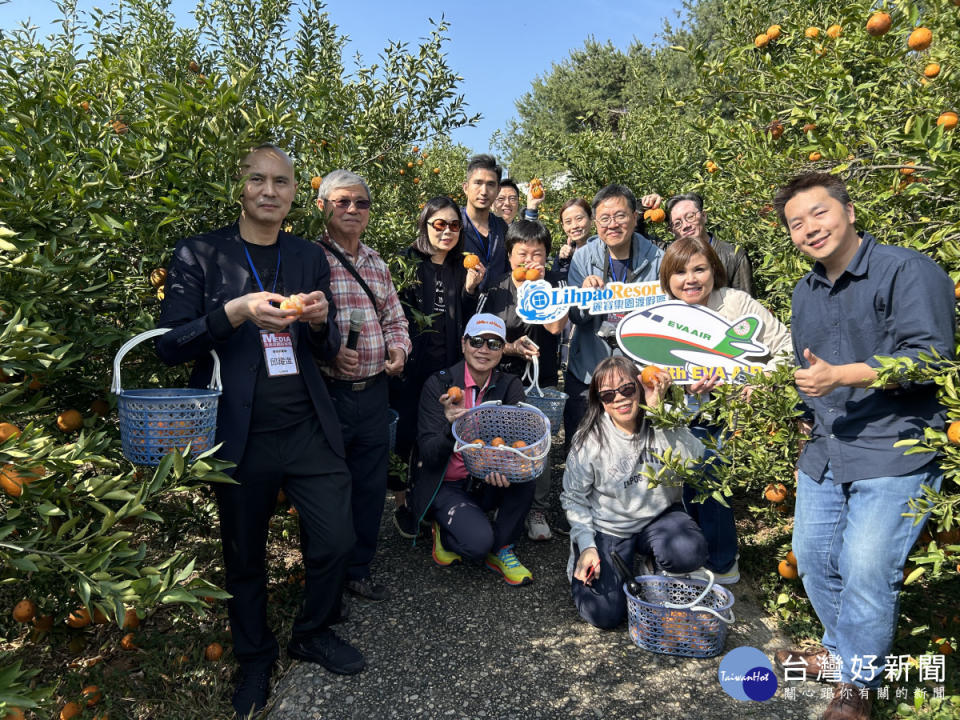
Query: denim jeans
{"x": 851, "y": 543}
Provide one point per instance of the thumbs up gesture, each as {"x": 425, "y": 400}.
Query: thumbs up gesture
{"x": 818, "y": 378}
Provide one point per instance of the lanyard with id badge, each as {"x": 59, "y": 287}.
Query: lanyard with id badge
{"x": 278, "y": 352}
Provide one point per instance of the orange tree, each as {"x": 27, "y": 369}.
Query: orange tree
{"x": 120, "y": 134}
{"x": 750, "y": 113}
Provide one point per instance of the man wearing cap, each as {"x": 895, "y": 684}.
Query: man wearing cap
{"x": 442, "y": 487}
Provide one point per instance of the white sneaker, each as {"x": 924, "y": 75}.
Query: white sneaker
{"x": 731, "y": 576}
{"x": 537, "y": 527}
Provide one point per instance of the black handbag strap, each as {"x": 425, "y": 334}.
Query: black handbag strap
{"x": 348, "y": 266}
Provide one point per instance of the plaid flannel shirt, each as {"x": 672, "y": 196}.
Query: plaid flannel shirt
{"x": 384, "y": 326}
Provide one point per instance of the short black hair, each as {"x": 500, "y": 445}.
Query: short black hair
{"x": 831, "y": 183}
{"x": 682, "y": 197}
{"x": 528, "y": 231}
{"x": 484, "y": 162}
{"x": 614, "y": 190}
{"x": 508, "y": 182}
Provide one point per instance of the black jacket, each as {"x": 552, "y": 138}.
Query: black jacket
{"x": 207, "y": 271}
{"x": 435, "y": 441}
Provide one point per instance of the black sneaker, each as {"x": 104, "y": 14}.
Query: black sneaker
{"x": 367, "y": 588}
{"x": 251, "y": 692}
{"x": 405, "y": 522}
{"x": 561, "y": 525}
{"x": 329, "y": 650}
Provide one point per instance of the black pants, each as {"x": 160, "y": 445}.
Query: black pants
{"x": 300, "y": 461}
{"x": 575, "y": 407}
{"x": 366, "y": 437}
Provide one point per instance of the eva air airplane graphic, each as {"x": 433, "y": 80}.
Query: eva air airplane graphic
{"x": 681, "y": 337}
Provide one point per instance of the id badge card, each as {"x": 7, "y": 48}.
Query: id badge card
{"x": 278, "y": 354}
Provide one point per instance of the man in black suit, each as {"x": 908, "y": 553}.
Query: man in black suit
{"x": 275, "y": 418}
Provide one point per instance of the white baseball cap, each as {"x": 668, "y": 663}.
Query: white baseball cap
{"x": 486, "y": 324}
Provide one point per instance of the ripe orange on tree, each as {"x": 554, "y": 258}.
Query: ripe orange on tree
{"x": 907, "y": 170}
{"x": 71, "y": 710}
{"x": 953, "y": 432}
{"x": 815, "y": 156}
{"x": 879, "y": 24}
{"x": 7, "y": 431}
{"x": 127, "y": 642}
{"x": 436, "y": 171}
{"x": 455, "y": 394}
{"x": 13, "y": 480}
{"x": 948, "y": 120}
{"x": 14, "y": 713}
{"x": 834, "y": 31}
{"x": 213, "y": 652}
{"x": 787, "y": 570}
{"x": 194, "y": 66}
{"x": 649, "y": 375}
{"x": 315, "y": 182}
{"x": 79, "y": 618}
{"x": 43, "y": 623}
{"x": 809, "y": 127}
{"x": 920, "y": 39}
{"x": 92, "y": 695}
{"x": 761, "y": 40}
{"x": 470, "y": 261}
{"x": 773, "y": 32}
{"x": 70, "y": 420}
{"x": 776, "y": 129}
{"x": 812, "y": 32}
{"x": 931, "y": 70}
{"x": 775, "y": 492}
{"x": 24, "y": 611}
{"x": 416, "y": 181}
{"x": 791, "y": 558}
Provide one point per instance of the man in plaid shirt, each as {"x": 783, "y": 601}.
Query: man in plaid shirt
{"x": 357, "y": 378}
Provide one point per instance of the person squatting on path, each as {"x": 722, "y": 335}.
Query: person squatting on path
{"x": 442, "y": 486}
{"x": 609, "y": 502}
{"x": 275, "y": 421}
{"x": 861, "y": 300}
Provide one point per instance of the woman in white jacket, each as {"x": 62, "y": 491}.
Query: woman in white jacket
{"x": 608, "y": 500}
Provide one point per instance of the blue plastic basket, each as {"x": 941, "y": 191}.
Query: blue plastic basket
{"x": 549, "y": 401}
{"x": 475, "y": 430}
{"x": 679, "y": 616}
{"x": 156, "y": 422}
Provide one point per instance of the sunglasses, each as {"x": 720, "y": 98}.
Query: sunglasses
{"x": 441, "y": 225}
{"x": 627, "y": 390}
{"x": 344, "y": 203}
{"x": 492, "y": 343}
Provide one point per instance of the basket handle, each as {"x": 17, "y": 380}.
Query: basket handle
{"x": 115, "y": 388}
{"x": 532, "y": 373}
{"x": 692, "y": 605}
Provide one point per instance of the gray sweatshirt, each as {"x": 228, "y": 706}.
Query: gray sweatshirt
{"x": 604, "y": 490}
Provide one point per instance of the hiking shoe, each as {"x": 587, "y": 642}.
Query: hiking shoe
{"x": 367, "y": 588}
{"x": 327, "y": 649}
{"x": 251, "y": 691}
{"x": 441, "y": 556}
{"x": 506, "y": 563}
{"x": 405, "y": 522}
{"x": 536, "y": 524}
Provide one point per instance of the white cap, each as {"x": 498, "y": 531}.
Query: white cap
{"x": 486, "y": 324}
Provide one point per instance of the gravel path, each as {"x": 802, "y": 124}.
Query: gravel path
{"x": 459, "y": 643}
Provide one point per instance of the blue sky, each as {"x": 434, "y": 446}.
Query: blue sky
{"x": 497, "y": 47}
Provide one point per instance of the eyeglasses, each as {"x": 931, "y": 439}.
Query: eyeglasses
{"x": 627, "y": 390}
{"x": 344, "y": 203}
{"x": 492, "y": 343}
{"x": 607, "y": 221}
{"x": 688, "y": 218}
{"x": 508, "y": 200}
{"x": 441, "y": 225}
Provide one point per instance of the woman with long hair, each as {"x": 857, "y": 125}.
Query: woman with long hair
{"x": 608, "y": 500}
{"x": 691, "y": 271}
{"x": 437, "y": 305}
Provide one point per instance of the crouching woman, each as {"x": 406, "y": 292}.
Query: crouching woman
{"x": 608, "y": 501}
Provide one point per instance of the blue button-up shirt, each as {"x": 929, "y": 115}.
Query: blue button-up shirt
{"x": 890, "y": 301}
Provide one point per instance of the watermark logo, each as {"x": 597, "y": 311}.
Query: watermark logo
{"x": 746, "y": 674}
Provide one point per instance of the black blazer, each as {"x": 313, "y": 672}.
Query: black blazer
{"x": 207, "y": 271}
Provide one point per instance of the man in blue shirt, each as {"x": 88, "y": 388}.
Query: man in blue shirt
{"x": 862, "y": 300}
{"x": 483, "y": 232}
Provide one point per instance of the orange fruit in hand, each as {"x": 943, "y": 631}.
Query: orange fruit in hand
{"x": 7, "y": 431}
{"x": 791, "y": 558}
{"x": 497, "y": 442}
{"x": 70, "y": 420}
{"x": 470, "y": 261}
{"x": 656, "y": 215}
{"x": 787, "y": 570}
{"x": 532, "y": 274}
{"x": 536, "y": 191}
{"x": 649, "y": 375}
{"x": 775, "y": 493}
{"x": 953, "y": 432}
{"x": 455, "y": 394}
{"x": 24, "y": 611}
{"x": 878, "y": 24}
{"x": 293, "y": 303}
{"x": 520, "y": 273}
{"x": 518, "y": 444}
{"x": 213, "y": 652}
{"x": 920, "y": 39}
